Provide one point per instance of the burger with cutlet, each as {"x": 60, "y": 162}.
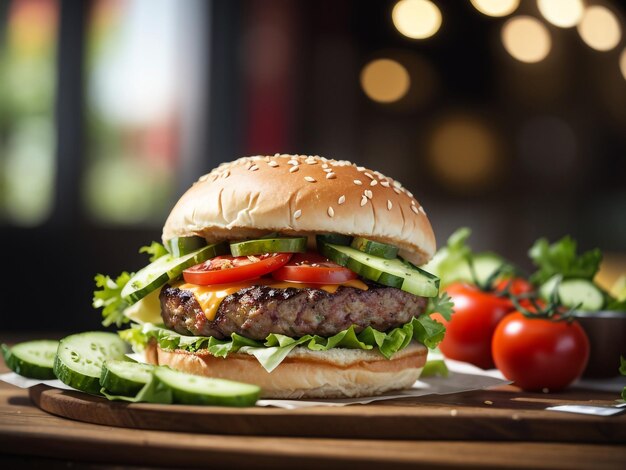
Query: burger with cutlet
{"x": 296, "y": 273}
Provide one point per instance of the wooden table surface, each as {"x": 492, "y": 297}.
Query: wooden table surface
{"x": 33, "y": 437}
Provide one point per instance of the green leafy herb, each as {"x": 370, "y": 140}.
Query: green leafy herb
{"x": 617, "y": 305}
{"x": 442, "y": 305}
{"x": 155, "y": 250}
{"x": 271, "y": 352}
{"x": 561, "y": 258}
{"x": 109, "y": 298}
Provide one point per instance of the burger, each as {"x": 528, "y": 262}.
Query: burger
{"x": 296, "y": 273}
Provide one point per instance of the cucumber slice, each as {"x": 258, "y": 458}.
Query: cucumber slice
{"x": 269, "y": 245}
{"x": 79, "y": 359}
{"x": 181, "y": 246}
{"x": 334, "y": 239}
{"x": 195, "y": 390}
{"x": 120, "y": 377}
{"x": 34, "y": 359}
{"x": 383, "y": 250}
{"x": 166, "y": 268}
{"x": 574, "y": 293}
{"x": 389, "y": 272}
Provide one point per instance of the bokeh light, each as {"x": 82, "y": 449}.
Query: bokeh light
{"x": 562, "y": 13}
{"x": 416, "y": 19}
{"x": 463, "y": 153}
{"x": 495, "y": 7}
{"x": 526, "y": 39}
{"x": 385, "y": 80}
{"x": 599, "y": 28}
{"x": 622, "y": 63}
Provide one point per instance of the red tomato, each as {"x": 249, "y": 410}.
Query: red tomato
{"x": 537, "y": 353}
{"x": 313, "y": 268}
{"x": 476, "y": 315}
{"x": 516, "y": 286}
{"x": 225, "y": 269}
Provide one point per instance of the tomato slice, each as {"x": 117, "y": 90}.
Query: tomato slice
{"x": 314, "y": 269}
{"x": 225, "y": 269}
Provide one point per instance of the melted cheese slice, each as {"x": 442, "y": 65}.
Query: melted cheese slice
{"x": 210, "y": 297}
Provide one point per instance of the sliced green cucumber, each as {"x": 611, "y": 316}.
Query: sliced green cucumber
{"x": 79, "y": 358}
{"x": 120, "y": 377}
{"x": 269, "y": 245}
{"x": 166, "y": 268}
{"x": 333, "y": 238}
{"x": 382, "y": 250}
{"x": 34, "y": 359}
{"x": 574, "y": 293}
{"x": 389, "y": 272}
{"x": 181, "y": 246}
{"x": 195, "y": 390}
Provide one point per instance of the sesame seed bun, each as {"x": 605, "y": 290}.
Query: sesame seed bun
{"x": 336, "y": 373}
{"x": 302, "y": 195}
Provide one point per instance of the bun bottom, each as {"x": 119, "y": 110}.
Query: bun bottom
{"x": 337, "y": 373}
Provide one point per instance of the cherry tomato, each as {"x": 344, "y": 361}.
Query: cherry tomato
{"x": 313, "y": 268}
{"x": 537, "y": 353}
{"x": 476, "y": 315}
{"x": 225, "y": 269}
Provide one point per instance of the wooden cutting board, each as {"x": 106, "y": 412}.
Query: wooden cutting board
{"x": 498, "y": 414}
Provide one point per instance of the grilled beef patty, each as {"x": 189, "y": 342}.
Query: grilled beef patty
{"x": 255, "y": 312}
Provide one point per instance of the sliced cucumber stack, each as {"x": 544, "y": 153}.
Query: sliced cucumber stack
{"x": 166, "y": 268}
{"x": 269, "y": 245}
{"x": 190, "y": 389}
{"x": 574, "y": 293}
{"x": 181, "y": 246}
{"x": 389, "y": 272}
{"x": 120, "y": 377}
{"x": 34, "y": 359}
{"x": 79, "y": 358}
{"x": 382, "y": 250}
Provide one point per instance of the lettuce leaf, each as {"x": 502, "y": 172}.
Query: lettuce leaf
{"x": 155, "y": 250}
{"x": 271, "y": 352}
{"x": 109, "y": 298}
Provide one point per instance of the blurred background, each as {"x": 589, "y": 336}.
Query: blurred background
{"x": 508, "y": 116}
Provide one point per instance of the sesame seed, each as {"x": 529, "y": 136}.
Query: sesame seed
{"x": 293, "y": 162}
{"x": 341, "y": 199}
{"x": 310, "y": 179}
{"x": 409, "y": 193}
{"x": 273, "y": 164}
{"x": 385, "y": 184}
{"x": 226, "y": 174}
{"x": 453, "y": 412}
{"x": 325, "y": 165}
{"x": 414, "y": 209}
{"x": 373, "y": 183}
{"x": 413, "y": 202}
{"x": 254, "y": 168}
{"x": 204, "y": 177}
{"x": 368, "y": 194}
{"x": 331, "y": 176}
{"x": 389, "y": 205}
{"x": 309, "y": 161}
{"x": 330, "y": 212}
{"x": 297, "y": 214}
{"x": 293, "y": 169}
{"x": 363, "y": 201}
{"x": 327, "y": 170}
{"x": 396, "y": 190}
{"x": 421, "y": 209}
{"x": 368, "y": 175}
{"x": 277, "y": 155}
{"x": 488, "y": 402}
{"x": 360, "y": 168}
{"x": 358, "y": 182}
{"x": 397, "y": 184}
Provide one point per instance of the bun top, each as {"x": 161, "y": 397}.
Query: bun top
{"x": 302, "y": 195}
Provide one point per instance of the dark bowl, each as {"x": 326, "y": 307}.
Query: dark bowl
{"x": 607, "y": 339}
